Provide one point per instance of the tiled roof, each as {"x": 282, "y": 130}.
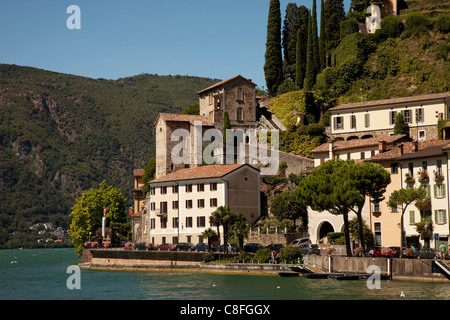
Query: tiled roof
{"x": 203, "y": 172}
{"x": 425, "y": 149}
{"x": 221, "y": 83}
{"x": 184, "y": 118}
{"x": 391, "y": 101}
{"x": 357, "y": 143}
{"x": 138, "y": 172}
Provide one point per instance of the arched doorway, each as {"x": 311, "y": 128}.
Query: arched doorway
{"x": 324, "y": 228}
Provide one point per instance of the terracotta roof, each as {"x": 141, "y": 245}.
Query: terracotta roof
{"x": 221, "y": 83}
{"x": 357, "y": 143}
{"x": 184, "y": 118}
{"x": 425, "y": 149}
{"x": 392, "y": 101}
{"x": 138, "y": 172}
{"x": 203, "y": 172}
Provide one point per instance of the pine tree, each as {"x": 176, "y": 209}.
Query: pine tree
{"x": 301, "y": 46}
{"x": 322, "y": 49}
{"x": 273, "y": 66}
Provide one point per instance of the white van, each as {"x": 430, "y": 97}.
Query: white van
{"x": 299, "y": 241}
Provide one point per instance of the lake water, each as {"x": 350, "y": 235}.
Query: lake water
{"x": 41, "y": 274}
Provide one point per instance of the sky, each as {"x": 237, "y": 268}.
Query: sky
{"x": 118, "y": 38}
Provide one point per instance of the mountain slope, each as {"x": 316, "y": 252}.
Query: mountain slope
{"x": 61, "y": 134}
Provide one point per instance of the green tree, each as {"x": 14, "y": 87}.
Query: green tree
{"x": 223, "y": 216}
{"x": 289, "y": 206}
{"x": 149, "y": 174}
{"x": 209, "y": 234}
{"x": 310, "y": 74}
{"x": 369, "y": 180}
{"x": 240, "y": 229}
{"x": 405, "y": 197}
{"x": 334, "y": 13}
{"x": 192, "y": 109}
{"x": 322, "y": 46}
{"x": 290, "y": 26}
{"x": 400, "y": 125}
{"x": 87, "y": 214}
{"x": 301, "y": 47}
{"x": 273, "y": 66}
{"x": 315, "y": 41}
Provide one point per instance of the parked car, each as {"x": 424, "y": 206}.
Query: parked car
{"x": 252, "y": 247}
{"x": 426, "y": 254}
{"x": 166, "y": 247}
{"x": 374, "y": 251}
{"x": 201, "y": 246}
{"x": 299, "y": 241}
{"x": 140, "y": 246}
{"x": 184, "y": 246}
{"x": 308, "y": 248}
{"x": 276, "y": 247}
{"x": 231, "y": 247}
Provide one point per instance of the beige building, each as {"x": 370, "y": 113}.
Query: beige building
{"x": 376, "y": 119}
{"x": 178, "y": 206}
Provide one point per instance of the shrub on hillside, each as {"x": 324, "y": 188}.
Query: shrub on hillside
{"x": 417, "y": 23}
{"x": 442, "y": 23}
{"x": 391, "y": 27}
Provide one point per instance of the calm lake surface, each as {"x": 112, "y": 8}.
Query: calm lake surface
{"x": 41, "y": 274}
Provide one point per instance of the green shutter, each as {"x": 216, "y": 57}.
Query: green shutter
{"x": 444, "y": 214}
{"x": 435, "y": 191}
{"x": 411, "y": 217}
{"x": 443, "y": 191}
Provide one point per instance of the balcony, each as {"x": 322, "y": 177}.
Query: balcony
{"x": 159, "y": 213}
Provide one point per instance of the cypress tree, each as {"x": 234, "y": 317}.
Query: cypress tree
{"x": 290, "y": 26}
{"x": 301, "y": 47}
{"x": 315, "y": 40}
{"x": 273, "y": 66}
{"x": 322, "y": 49}
{"x": 310, "y": 73}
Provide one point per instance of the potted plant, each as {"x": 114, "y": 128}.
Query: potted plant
{"x": 423, "y": 176}
{"x": 386, "y": 252}
{"x": 329, "y": 250}
{"x": 438, "y": 177}
{"x": 423, "y": 204}
{"x": 409, "y": 252}
{"x": 409, "y": 179}
{"x": 358, "y": 251}
{"x": 425, "y": 228}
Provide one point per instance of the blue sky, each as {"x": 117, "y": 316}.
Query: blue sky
{"x": 118, "y": 38}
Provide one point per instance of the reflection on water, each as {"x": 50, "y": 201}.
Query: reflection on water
{"x": 41, "y": 274}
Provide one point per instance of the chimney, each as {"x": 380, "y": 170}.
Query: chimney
{"x": 381, "y": 146}
{"x": 330, "y": 145}
{"x": 416, "y": 146}
{"x": 401, "y": 149}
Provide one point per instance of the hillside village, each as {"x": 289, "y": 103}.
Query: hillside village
{"x": 183, "y": 195}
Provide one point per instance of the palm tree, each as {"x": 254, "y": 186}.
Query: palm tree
{"x": 209, "y": 233}
{"x": 240, "y": 229}
{"x": 222, "y": 216}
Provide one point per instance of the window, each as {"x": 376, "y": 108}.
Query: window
{"x": 163, "y": 206}
{"x": 200, "y": 187}
{"x": 412, "y": 219}
{"x": 163, "y": 221}
{"x": 367, "y": 120}
{"x": 152, "y": 191}
{"x": 363, "y": 155}
{"x": 163, "y": 190}
{"x": 440, "y": 216}
{"x": 175, "y": 204}
{"x": 338, "y": 123}
{"x": 392, "y": 116}
{"x": 213, "y": 202}
{"x": 189, "y": 239}
{"x": 239, "y": 95}
{"x": 152, "y": 206}
{"x": 394, "y": 168}
{"x": 419, "y": 115}
{"x": 174, "y": 189}
{"x": 213, "y": 186}
{"x": 376, "y": 206}
{"x": 175, "y": 222}
{"x": 439, "y": 167}
{"x": 152, "y": 223}
{"x": 411, "y": 169}
{"x": 377, "y": 228}
{"x": 406, "y": 116}
{"x": 188, "y": 222}
{"x": 352, "y": 122}
{"x": 189, "y": 188}
{"x": 422, "y": 135}
{"x": 439, "y": 190}
{"x": 424, "y": 165}
{"x": 175, "y": 240}
{"x": 188, "y": 204}
{"x": 200, "y": 222}
{"x": 201, "y": 203}
{"x": 239, "y": 115}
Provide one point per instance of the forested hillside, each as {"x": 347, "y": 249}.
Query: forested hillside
{"x": 61, "y": 134}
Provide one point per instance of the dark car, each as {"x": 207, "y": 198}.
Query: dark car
{"x": 276, "y": 247}
{"x": 140, "y": 246}
{"x": 166, "y": 247}
{"x": 184, "y": 246}
{"x": 201, "y": 247}
{"x": 231, "y": 247}
{"x": 426, "y": 254}
{"x": 374, "y": 251}
{"x": 307, "y": 249}
{"x": 252, "y": 247}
